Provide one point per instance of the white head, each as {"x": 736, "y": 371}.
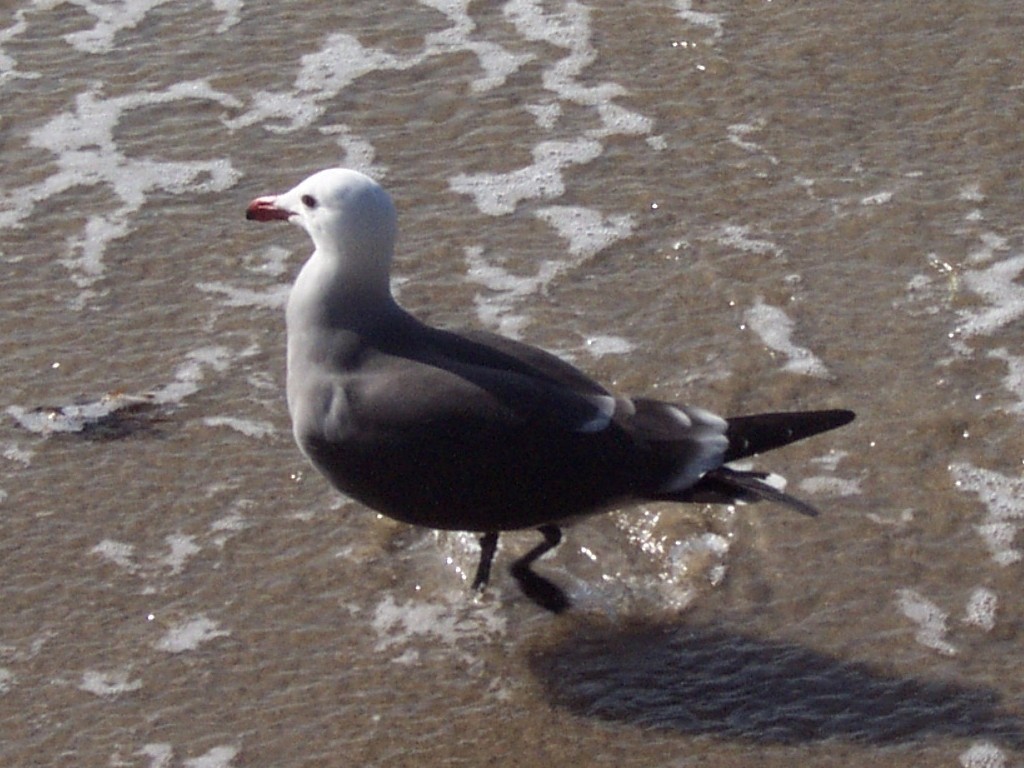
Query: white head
{"x": 350, "y": 218}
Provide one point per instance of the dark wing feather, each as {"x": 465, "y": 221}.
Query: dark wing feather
{"x": 750, "y": 435}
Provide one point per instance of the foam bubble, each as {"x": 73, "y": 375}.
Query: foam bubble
{"x": 248, "y": 427}
{"x": 991, "y": 243}
{"x": 218, "y": 757}
{"x": 930, "y": 619}
{"x": 119, "y": 553}
{"x": 117, "y": 413}
{"x": 738, "y": 133}
{"x": 984, "y": 754}
{"x": 879, "y": 198}
{"x": 712, "y": 21}
{"x": 830, "y": 486}
{"x": 7, "y": 679}
{"x": 182, "y": 547}
{"x": 736, "y": 236}
{"x": 498, "y": 194}
{"x": 775, "y": 329}
{"x": 17, "y": 453}
{"x": 971, "y": 193}
{"x": 1001, "y": 496}
{"x": 189, "y": 635}
{"x": 108, "y": 684}
{"x": 998, "y": 285}
{"x": 1013, "y": 381}
{"x": 496, "y": 308}
{"x": 587, "y": 231}
{"x": 496, "y": 61}
{"x": 981, "y": 609}
{"x": 8, "y": 64}
{"x": 601, "y": 345}
{"x": 160, "y": 755}
{"x": 399, "y": 625}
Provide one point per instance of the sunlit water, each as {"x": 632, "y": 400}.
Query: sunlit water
{"x": 749, "y": 207}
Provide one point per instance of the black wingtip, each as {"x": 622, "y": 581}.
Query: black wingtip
{"x": 750, "y": 435}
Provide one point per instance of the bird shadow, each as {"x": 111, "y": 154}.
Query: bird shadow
{"x": 703, "y": 680}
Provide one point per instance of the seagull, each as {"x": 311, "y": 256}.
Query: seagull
{"x": 473, "y": 431}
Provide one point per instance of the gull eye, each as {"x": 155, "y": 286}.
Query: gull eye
{"x": 309, "y": 201}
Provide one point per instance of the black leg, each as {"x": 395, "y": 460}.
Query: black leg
{"x": 543, "y": 592}
{"x": 488, "y": 546}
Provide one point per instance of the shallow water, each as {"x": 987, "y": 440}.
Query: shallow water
{"x": 750, "y": 206}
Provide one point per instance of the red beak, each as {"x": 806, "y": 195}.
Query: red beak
{"x": 265, "y": 209}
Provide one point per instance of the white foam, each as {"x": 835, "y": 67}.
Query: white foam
{"x": 160, "y": 755}
{"x": 114, "y": 18}
{"x": 86, "y": 155}
{"x": 496, "y": 61}
{"x": 232, "y": 10}
{"x": 568, "y": 28}
{"x": 17, "y": 453}
{"x": 218, "y": 757}
{"x": 983, "y": 754}
{"x": 189, "y": 635}
{"x": 546, "y": 115}
{"x": 991, "y": 244}
{"x": 971, "y": 193}
{"x": 712, "y": 21}
{"x": 998, "y": 285}
{"x": 495, "y": 309}
{"x": 738, "y": 133}
{"x": 830, "y": 460}
{"x": 830, "y": 486}
{"x": 343, "y": 59}
{"x": 601, "y": 345}
{"x": 189, "y": 374}
{"x": 1001, "y": 496}
{"x": 248, "y": 427}
{"x": 498, "y": 194}
{"x": 736, "y": 236}
{"x": 400, "y": 624}
{"x": 775, "y": 329}
{"x": 360, "y": 154}
{"x": 182, "y": 548}
{"x": 7, "y": 680}
{"x": 74, "y": 417}
{"x": 8, "y": 64}
{"x": 119, "y": 553}
{"x": 930, "y": 619}
{"x": 78, "y": 416}
{"x": 981, "y": 609}
{"x": 1013, "y": 381}
{"x": 879, "y": 198}
{"x": 234, "y": 521}
{"x": 108, "y": 684}
{"x": 587, "y": 231}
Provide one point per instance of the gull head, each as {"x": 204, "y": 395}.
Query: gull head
{"x": 348, "y": 215}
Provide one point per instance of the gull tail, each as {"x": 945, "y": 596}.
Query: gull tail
{"x": 750, "y": 435}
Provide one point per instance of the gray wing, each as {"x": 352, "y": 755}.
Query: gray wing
{"x": 394, "y": 392}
